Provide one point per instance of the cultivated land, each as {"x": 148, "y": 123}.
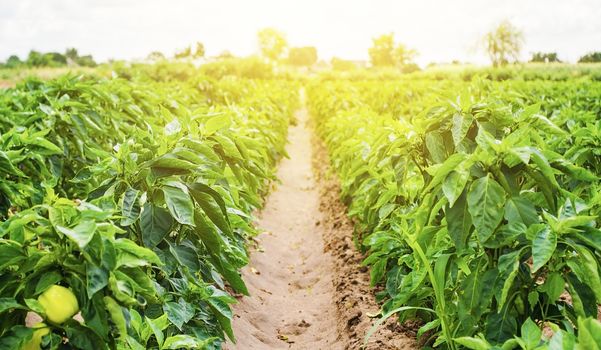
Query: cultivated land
{"x": 166, "y": 206}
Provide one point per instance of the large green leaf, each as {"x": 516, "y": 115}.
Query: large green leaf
{"x": 461, "y": 125}
{"x": 155, "y": 223}
{"x": 459, "y": 222}
{"x": 543, "y": 247}
{"x": 531, "y": 334}
{"x": 584, "y": 265}
{"x": 213, "y": 205}
{"x": 508, "y": 269}
{"x": 81, "y": 234}
{"x": 179, "y": 313}
{"x": 486, "y": 199}
{"x": 179, "y": 203}
{"x": 130, "y": 207}
{"x": 520, "y": 209}
{"x": 454, "y": 183}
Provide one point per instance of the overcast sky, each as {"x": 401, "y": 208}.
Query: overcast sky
{"x": 440, "y": 30}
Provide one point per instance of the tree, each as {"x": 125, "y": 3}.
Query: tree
{"x": 225, "y": 54}
{"x": 155, "y": 56}
{"x": 544, "y": 57}
{"x": 200, "y": 50}
{"x": 54, "y": 59}
{"x": 302, "y": 56}
{"x": 590, "y": 57}
{"x": 35, "y": 59}
{"x": 13, "y": 62}
{"x": 86, "y": 61}
{"x": 385, "y": 52}
{"x": 504, "y": 43}
{"x": 71, "y": 54}
{"x": 187, "y": 52}
{"x": 272, "y": 43}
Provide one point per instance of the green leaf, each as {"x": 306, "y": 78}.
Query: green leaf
{"x": 7, "y": 167}
{"x": 475, "y": 295}
{"x": 500, "y": 326}
{"x": 216, "y": 123}
{"x": 461, "y": 125}
{"x": 441, "y": 171}
{"x": 224, "y": 315}
{"x": 453, "y": 185}
{"x": 520, "y": 209}
{"x": 130, "y": 207}
{"x": 583, "y": 297}
{"x": 531, "y": 334}
{"x": 589, "y": 334}
{"x": 155, "y": 223}
{"x": 10, "y": 303}
{"x": 543, "y": 247}
{"x": 180, "y": 204}
{"x": 179, "y": 313}
{"x": 15, "y": 337}
{"x": 213, "y": 205}
{"x": 125, "y": 247}
{"x": 117, "y": 316}
{"x": 156, "y": 325}
{"x": 554, "y": 286}
{"x": 81, "y": 234}
{"x": 11, "y": 253}
{"x": 183, "y": 341}
{"x": 473, "y": 343}
{"x": 185, "y": 256}
{"x": 46, "y": 280}
{"x": 584, "y": 265}
{"x": 562, "y": 340}
{"x": 459, "y": 223}
{"x": 508, "y": 269}
{"x": 435, "y": 146}
{"x": 96, "y": 279}
{"x": 486, "y": 199}
{"x": 35, "y": 306}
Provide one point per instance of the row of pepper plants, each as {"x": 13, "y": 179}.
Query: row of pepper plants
{"x": 477, "y": 204}
{"x": 126, "y": 203}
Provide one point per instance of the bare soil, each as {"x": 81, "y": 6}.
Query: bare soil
{"x": 354, "y": 298}
{"x": 290, "y": 277}
{"x": 307, "y": 287}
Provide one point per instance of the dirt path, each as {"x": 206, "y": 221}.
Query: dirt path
{"x": 290, "y": 276}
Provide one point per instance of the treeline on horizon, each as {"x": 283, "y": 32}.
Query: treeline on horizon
{"x": 503, "y": 45}
{"x": 70, "y": 57}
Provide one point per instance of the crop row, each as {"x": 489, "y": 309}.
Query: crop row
{"x": 136, "y": 195}
{"x": 477, "y": 203}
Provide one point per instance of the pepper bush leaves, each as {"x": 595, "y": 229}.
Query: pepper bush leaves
{"x": 136, "y": 192}
{"x": 491, "y": 200}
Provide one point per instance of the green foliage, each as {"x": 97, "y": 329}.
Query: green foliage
{"x": 503, "y": 44}
{"x": 272, "y": 43}
{"x": 590, "y": 57}
{"x": 474, "y": 199}
{"x": 50, "y": 59}
{"x": 250, "y": 67}
{"x": 385, "y": 52}
{"x": 200, "y": 50}
{"x": 197, "y": 52}
{"x": 137, "y": 195}
{"x": 302, "y": 56}
{"x": 545, "y": 57}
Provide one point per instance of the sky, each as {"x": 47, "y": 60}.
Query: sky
{"x": 441, "y": 31}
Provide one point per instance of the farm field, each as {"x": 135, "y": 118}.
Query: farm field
{"x": 307, "y": 176}
{"x": 474, "y": 207}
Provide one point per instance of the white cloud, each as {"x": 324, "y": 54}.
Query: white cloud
{"x": 439, "y": 30}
